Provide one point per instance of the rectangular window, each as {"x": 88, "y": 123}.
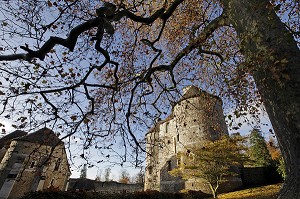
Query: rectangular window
{"x": 174, "y": 144}
{"x": 169, "y": 165}
{"x": 57, "y": 164}
{"x": 178, "y": 161}
{"x": 12, "y": 176}
{"x": 150, "y": 170}
{"x": 167, "y": 127}
{"x": 32, "y": 164}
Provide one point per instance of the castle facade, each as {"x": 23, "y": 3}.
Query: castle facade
{"x": 32, "y": 162}
{"x": 195, "y": 119}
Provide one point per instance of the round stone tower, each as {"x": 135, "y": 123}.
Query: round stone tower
{"x": 195, "y": 119}
{"x": 199, "y": 117}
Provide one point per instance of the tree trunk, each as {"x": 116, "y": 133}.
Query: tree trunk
{"x": 274, "y": 58}
{"x": 213, "y": 190}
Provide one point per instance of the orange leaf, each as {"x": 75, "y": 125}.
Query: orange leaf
{"x": 49, "y": 3}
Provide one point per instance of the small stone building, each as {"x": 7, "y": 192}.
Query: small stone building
{"x": 32, "y": 162}
{"x": 195, "y": 119}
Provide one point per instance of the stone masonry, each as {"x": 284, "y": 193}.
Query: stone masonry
{"x": 195, "y": 119}
{"x": 32, "y": 162}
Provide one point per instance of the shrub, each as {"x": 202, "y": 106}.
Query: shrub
{"x": 95, "y": 195}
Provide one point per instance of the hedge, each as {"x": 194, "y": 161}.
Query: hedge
{"x": 95, "y": 195}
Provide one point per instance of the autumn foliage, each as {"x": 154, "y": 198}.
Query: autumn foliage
{"x": 212, "y": 161}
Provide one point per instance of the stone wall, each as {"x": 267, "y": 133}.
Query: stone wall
{"x": 256, "y": 176}
{"x": 79, "y": 184}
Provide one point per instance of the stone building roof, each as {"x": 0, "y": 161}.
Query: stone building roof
{"x": 7, "y": 139}
{"x": 43, "y": 136}
{"x": 193, "y": 91}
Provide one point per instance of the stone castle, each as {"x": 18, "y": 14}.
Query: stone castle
{"x": 195, "y": 119}
{"x": 32, "y": 162}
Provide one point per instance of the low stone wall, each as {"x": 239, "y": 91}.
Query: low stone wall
{"x": 115, "y": 187}
{"x": 233, "y": 183}
{"x": 253, "y": 176}
{"x": 172, "y": 186}
{"x": 103, "y": 187}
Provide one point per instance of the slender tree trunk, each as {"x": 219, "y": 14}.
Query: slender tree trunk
{"x": 213, "y": 191}
{"x": 273, "y": 54}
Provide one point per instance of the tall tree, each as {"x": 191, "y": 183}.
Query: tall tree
{"x": 270, "y": 47}
{"x": 83, "y": 172}
{"x": 99, "y": 175}
{"x": 274, "y": 149}
{"x": 281, "y": 168}
{"x": 141, "y": 53}
{"x": 212, "y": 161}
{"x": 277, "y": 158}
{"x": 107, "y": 173}
{"x": 139, "y": 177}
{"x": 258, "y": 150}
{"x": 124, "y": 177}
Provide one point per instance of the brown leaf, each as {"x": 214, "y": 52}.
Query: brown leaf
{"x": 49, "y": 3}
{"x": 73, "y": 117}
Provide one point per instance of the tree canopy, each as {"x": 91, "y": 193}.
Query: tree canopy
{"x": 124, "y": 177}
{"x": 258, "y": 150}
{"x": 96, "y": 70}
{"x": 212, "y": 162}
{"x": 83, "y": 172}
{"x": 107, "y": 173}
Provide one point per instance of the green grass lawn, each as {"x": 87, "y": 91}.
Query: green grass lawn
{"x": 264, "y": 192}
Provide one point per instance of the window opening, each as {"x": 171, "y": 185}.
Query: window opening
{"x": 169, "y": 165}
{"x": 32, "y": 164}
{"x": 174, "y": 144}
{"x": 167, "y": 127}
{"x": 178, "y": 161}
{"x": 57, "y": 164}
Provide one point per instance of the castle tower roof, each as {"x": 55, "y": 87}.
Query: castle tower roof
{"x": 193, "y": 91}
{"x": 43, "y": 136}
{"x": 187, "y": 93}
